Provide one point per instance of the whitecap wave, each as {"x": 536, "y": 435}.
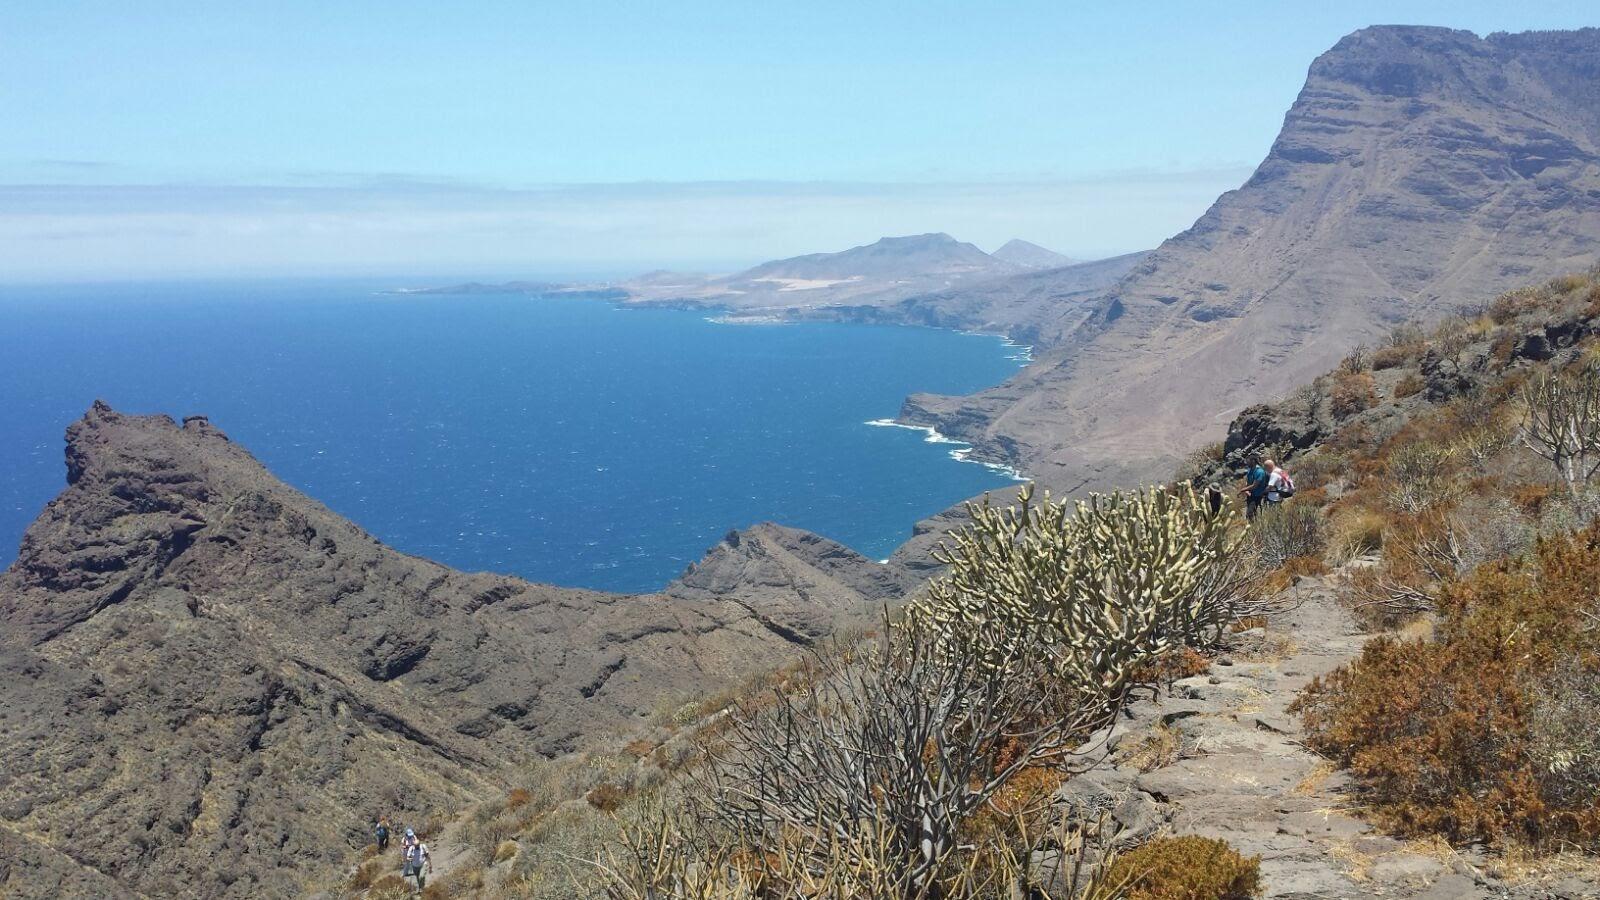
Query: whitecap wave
{"x": 961, "y": 453}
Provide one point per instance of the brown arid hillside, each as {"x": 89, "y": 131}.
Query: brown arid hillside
{"x": 212, "y": 682}
{"x": 1420, "y": 171}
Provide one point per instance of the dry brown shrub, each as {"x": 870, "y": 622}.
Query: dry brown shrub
{"x": 1531, "y": 497}
{"x": 504, "y": 851}
{"x": 1187, "y": 868}
{"x": 518, "y": 798}
{"x": 1566, "y": 284}
{"x": 1410, "y": 384}
{"x": 1025, "y": 794}
{"x": 1511, "y": 304}
{"x": 367, "y": 873}
{"x": 1352, "y": 392}
{"x": 1502, "y": 349}
{"x": 1356, "y": 531}
{"x": 1174, "y": 665}
{"x": 1395, "y": 355}
{"x": 605, "y": 797}
{"x": 639, "y": 749}
{"x": 1442, "y": 734}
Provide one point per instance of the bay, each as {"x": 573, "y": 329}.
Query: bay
{"x": 564, "y": 440}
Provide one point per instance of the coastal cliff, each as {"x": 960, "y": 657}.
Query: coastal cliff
{"x": 1420, "y": 171}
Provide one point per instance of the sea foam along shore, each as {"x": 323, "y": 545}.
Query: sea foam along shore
{"x": 961, "y": 452}
{"x": 1022, "y": 353}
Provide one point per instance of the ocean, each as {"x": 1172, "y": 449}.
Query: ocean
{"x": 564, "y": 440}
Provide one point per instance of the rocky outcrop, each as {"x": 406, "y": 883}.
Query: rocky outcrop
{"x": 795, "y": 582}
{"x": 208, "y": 679}
{"x": 1022, "y": 307}
{"x": 1421, "y": 170}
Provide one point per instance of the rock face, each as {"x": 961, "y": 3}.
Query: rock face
{"x": 206, "y": 676}
{"x": 1420, "y": 171}
{"x": 1019, "y": 306}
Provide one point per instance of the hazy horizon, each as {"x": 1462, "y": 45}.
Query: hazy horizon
{"x": 290, "y": 140}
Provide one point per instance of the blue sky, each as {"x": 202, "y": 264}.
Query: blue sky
{"x": 541, "y": 138}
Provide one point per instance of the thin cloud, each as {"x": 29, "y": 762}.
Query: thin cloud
{"x": 398, "y": 223}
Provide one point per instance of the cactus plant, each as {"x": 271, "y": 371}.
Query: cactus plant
{"x": 1106, "y": 582}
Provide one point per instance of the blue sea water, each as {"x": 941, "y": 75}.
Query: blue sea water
{"x": 563, "y": 440}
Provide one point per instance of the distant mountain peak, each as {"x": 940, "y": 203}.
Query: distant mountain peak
{"x": 1030, "y": 255}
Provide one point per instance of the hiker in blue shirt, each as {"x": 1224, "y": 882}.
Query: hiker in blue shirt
{"x": 1255, "y": 489}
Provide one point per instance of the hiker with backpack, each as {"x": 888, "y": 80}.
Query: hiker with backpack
{"x": 1280, "y": 486}
{"x": 381, "y": 832}
{"x": 1255, "y": 489}
{"x": 418, "y": 862}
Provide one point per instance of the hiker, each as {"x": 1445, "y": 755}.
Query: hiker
{"x": 381, "y": 832}
{"x": 1280, "y": 486}
{"x": 419, "y": 862}
{"x": 1214, "y": 498}
{"x": 1255, "y": 489}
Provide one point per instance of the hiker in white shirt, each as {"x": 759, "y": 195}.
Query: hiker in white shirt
{"x": 1279, "y": 485}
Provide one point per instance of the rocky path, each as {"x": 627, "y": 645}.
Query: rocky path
{"x": 1221, "y": 757}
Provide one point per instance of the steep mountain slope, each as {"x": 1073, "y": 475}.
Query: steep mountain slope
{"x": 1420, "y": 170}
{"x": 1017, "y": 304}
{"x": 206, "y": 676}
{"x": 1031, "y": 255}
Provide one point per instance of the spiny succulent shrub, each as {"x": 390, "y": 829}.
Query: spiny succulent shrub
{"x": 1186, "y": 868}
{"x": 1469, "y": 735}
{"x": 894, "y": 753}
{"x": 1100, "y": 585}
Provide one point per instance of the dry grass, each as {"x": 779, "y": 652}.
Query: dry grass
{"x": 505, "y": 851}
{"x": 1357, "y": 864}
{"x": 1314, "y": 780}
{"x": 1157, "y": 748}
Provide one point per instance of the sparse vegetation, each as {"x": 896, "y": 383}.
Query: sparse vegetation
{"x": 1465, "y": 734}
{"x": 916, "y": 765}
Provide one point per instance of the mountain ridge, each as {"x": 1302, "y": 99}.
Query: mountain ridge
{"x": 1420, "y": 171}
